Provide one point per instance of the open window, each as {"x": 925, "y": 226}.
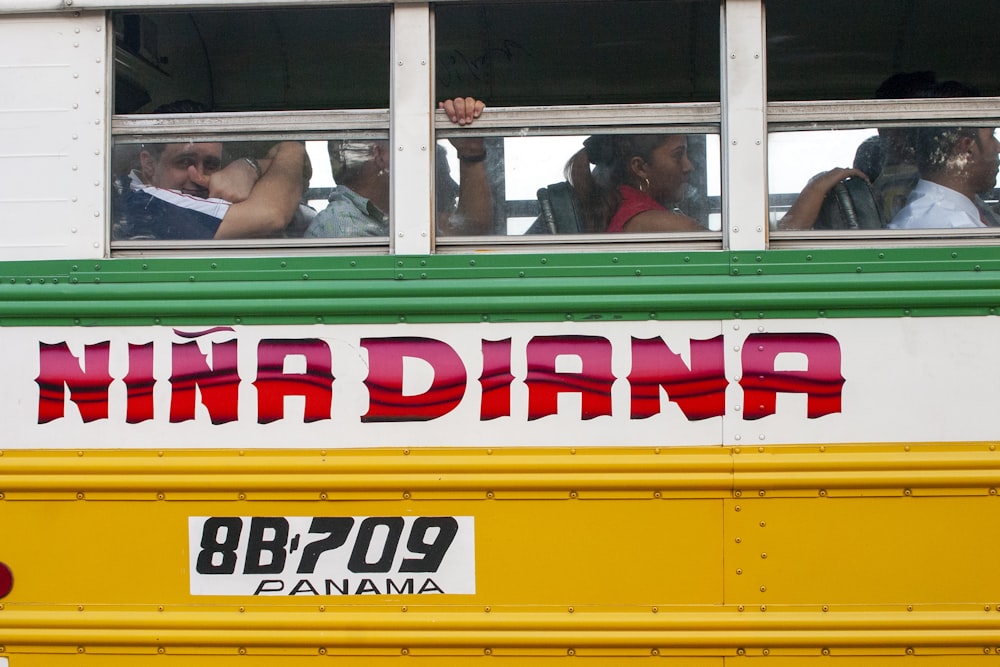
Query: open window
{"x": 861, "y": 84}
{"x": 556, "y": 74}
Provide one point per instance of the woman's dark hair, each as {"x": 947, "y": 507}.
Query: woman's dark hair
{"x": 611, "y": 155}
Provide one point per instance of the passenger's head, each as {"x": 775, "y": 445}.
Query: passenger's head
{"x": 183, "y": 167}
{"x": 180, "y": 166}
{"x": 656, "y": 164}
{"x": 966, "y": 153}
{"x": 356, "y": 161}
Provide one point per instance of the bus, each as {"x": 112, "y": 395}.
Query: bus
{"x": 507, "y": 438}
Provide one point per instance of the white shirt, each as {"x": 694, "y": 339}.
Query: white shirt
{"x": 933, "y": 206}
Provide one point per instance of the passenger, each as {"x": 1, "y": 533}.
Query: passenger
{"x": 180, "y": 191}
{"x": 956, "y": 164}
{"x": 636, "y": 183}
{"x": 359, "y": 204}
{"x": 885, "y": 161}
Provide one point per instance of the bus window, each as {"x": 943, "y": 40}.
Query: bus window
{"x": 264, "y": 60}
{"x": 535, "y": 191}
{"x": 515, "y": 56}
{"x": 845, "y": 50}
{"x": 228, "y": 87}
{"x": 545, "y": 53}
{"x": 902, "y": 179}
{"x": 843, "y": 84}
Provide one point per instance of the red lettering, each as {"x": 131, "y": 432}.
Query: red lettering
{"x": 593, "y": 382}
{"x": 822, "y": 381}
{"x": 139, "y": 383}
{"x": 273, "y": 384}
{"x": 495, "y": 380}
{"x": 385, "y": 379}
{"x": 219, "y": 384}
{"x": 88, "y": 389}
{"x": 699, "y": 391}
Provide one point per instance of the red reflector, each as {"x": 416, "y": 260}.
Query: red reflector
{"x": 6, "y": 580}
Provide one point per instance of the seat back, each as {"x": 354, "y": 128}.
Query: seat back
{"x": 560, "y": 211}
{"x": 850, "y": 204}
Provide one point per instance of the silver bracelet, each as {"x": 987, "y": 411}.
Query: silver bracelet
{"x": 253, "y": 163}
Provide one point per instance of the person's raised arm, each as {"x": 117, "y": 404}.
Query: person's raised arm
{"x": 273, "y": 199}
{"x": 474, "y": 212}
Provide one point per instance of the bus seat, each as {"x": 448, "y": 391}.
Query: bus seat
{"x": 850, "y": 204}
{"x": 560, "y": 211}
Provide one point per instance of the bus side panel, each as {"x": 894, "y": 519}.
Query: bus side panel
{"x": 52, "y": 196}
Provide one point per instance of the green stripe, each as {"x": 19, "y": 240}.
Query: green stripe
{"x": 501, "y": 288}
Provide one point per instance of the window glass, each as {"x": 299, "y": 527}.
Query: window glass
{"x": 263, "y": 60}
{"x": 203, "y": 190}
{"x": 846, "y": 49}
{"x": 900, "y": 178}
{"x": 580, "y": 184}
{"x": 541, "y": 53}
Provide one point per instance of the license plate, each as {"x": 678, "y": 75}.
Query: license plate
{"x": 332, "y": 555}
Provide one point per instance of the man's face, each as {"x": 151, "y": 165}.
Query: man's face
{"x": 182, "y": 167}
{"x": 987, "y": 159}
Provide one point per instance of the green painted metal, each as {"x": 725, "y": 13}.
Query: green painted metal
{"x": 894, "y": 282}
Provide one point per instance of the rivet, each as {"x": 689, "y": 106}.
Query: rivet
{"x": 763, "y": 589}
{"x": 763, "y": 555}
{"x": 825, "y": 651}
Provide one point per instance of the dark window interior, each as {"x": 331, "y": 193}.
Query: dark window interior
{"x": 845, "y": 49}
{"x": 264, "y": 60}
{"x": 541, "y": 53}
